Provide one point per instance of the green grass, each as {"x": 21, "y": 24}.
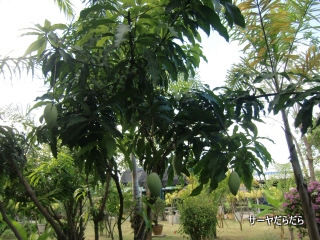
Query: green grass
{"x": 230, "y": 231}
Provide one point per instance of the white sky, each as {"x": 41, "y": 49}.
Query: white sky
{"x": 15, "y": 15}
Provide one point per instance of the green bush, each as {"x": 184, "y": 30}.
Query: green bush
{"x": 198, "y": 218}
{"x": 158, "y": 209}
{"x": 3, "y": 227}
{"x": 7, "y": 234}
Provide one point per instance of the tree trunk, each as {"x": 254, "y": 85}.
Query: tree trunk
{"x": 7, "y": 220}
{"x": 291, "y": 236}
{"x": 42, "y": 209}
{"x": 309, "y": 157}
{"x": 96, "y": 229}
{"x": 309, "y": 215}
{"x": 98, "y": 215}
{"x": 71, "y": 226}
{"x": 137, "y": 222}
{"x": 135, "y": 185}
{"x": 81, "y": 223}
{"x": 149, "y": 231}
{"x": 117, "y": 182}
{"x": 301, "y": 157}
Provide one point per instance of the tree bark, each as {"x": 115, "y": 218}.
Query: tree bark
{"x": 137, "y": 222}
{"x": 81, "y": 222}
{"x": 309, "y": 157}
{"x": 309, "y": 215}
{"x": 301, "y": 157}
{"x": 117, "y": 182}
{"x": 92, "y": 210}
{"x": 149, "y": 214}
{"x": 135, "y": 184}
{"x": 291, "y": 235}
{"x": 96, "y": 229}
{"x": 42, "y": 209}
{"x": 7, "y": 220}
{"x": 98, "y": 217}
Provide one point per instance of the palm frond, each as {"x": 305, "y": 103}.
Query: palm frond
{"x": 65, "y": 6}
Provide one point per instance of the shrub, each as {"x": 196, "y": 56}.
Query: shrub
{"x": 7, "y": 234}
{"x": 198, "y": 218}
{"x": 158, "y": 209}
{"x": 293, "y": 205}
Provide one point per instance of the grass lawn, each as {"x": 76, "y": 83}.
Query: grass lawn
{"x": 230, "y": 231}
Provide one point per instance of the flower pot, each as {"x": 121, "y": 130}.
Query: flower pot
{"x": 177, "y": 218}
{"x": 41, "y": 228}
{"x": 157, "y": 229}
{"x": 170, "y": 218}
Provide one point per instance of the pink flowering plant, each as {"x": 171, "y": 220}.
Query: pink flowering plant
{"x": 292, "y": 204}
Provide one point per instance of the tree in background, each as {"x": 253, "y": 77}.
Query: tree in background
{"x": 272, "y": 66}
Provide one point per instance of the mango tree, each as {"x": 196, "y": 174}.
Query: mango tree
{"x": 108, "y": 75}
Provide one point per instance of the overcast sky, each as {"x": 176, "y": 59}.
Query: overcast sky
{"x": 15, "y": 15}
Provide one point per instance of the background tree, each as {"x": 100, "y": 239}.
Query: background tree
{"x": 274, "y": 32}
{"x": 60, "y": 188}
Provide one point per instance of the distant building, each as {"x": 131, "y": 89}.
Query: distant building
{"x": 126, "y": 178}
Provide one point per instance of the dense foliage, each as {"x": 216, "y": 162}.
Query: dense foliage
{"x": 108, "y": 75}
{"x": 198, "y": 218}
{"x": 293, "y": 205}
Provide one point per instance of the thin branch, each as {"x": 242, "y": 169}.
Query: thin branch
{"x": 11, "y": 226}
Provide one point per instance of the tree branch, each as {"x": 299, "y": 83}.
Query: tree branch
{"x": 11, "y": 226}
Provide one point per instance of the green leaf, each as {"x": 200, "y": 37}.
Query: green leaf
{"x": 38, "y": 45}
{"x": 20, "y": 230}
{"x": 235, "y": 14}
{"x": 47, "y": 25}
{"x": 38, "y": 104}
{"x": 218, "y": 26}
{"x": 263, "y": 76}
{"x": 146, "y": 219}
{"x": 140, "y": 149}
{"x": 197, "y": 190}
{"x": 264, "y": 212}
{"x": 170, "y": 176}
{"x": 177, "y": 163}
{"x": 197, "y": 147}
{"x": 304, "y": 116}
{"x": 111, "y": 145}
{"x": 275, "y": 198}
{"x": 44, "y": 236}
{"x": 54, "y": 40}
{"x": 76, "y": 120}
{"x": 59, "y": 26}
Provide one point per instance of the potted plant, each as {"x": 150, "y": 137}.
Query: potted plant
{"x": 157, "y": 210}
{"x": 41, "y": 225}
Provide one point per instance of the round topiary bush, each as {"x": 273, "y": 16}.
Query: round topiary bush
{"x": 198, "y": 218}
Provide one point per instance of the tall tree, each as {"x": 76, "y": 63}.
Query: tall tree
{"x": 275, "y": 31}
{"x": 112, "y": 68}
